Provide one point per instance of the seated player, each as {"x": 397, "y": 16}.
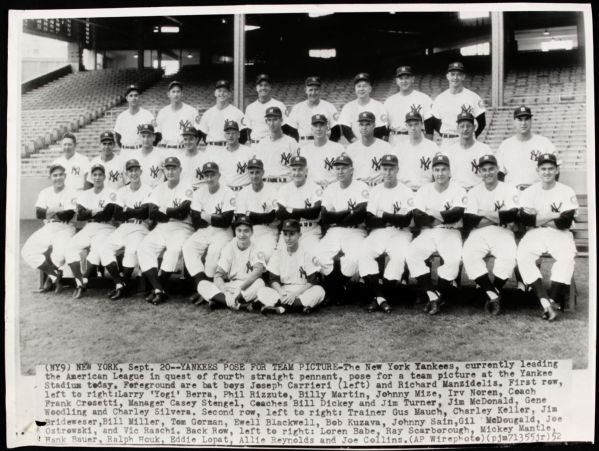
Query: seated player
{"x": 388, "y": 216}
{"x": 212, "y": 210}
{"x": 96, "y": 206}
{"x": 55, "y": 205}
{"x": 292, "y": 276}
{"x": 491, "y": 209}
{"x": 237, "y": 277}
{"x": 547, "y": 210}
{"x": 133, "y": 209}
{"x": 438, "y": 213}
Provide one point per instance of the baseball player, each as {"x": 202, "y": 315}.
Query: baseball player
{"x": 150, "y": 158}
{"x": 255, "y": 111}
{"x": 113, "y": 164}
{"x": 321, "y": 152}
{"x": 343, "y": 211}
{"x": 128, "y": 122}
{"x": 368, "y": 151}
{"x": 55, "y": 206}
{"x": 548, "y": 209}
{"x": 518, "y": 155}
{"x": 293, "y": 276}
{"x": 192, "y": 158}
{"x": 347, "y": 124}
{"x": 133, "y": 209}
{"x": 453, "y": 101}
{"x": 237, "y": 277}
{"x": 405, "y": 101}
{"x": 232, "y": 160}
{"x": 388, "y": 216}
{"x": 96, "y": 206}
{"x": 465, "y": 153}
{"x": 76, "y": 165}
{"x": 211, "y": 126}
{"x": 173, "y": 118}
{"x": 415, "y": 154}
{"x": 438, "y": 212}
{"x": 170, "y": 204}
{"x": 301, "y": 199}
{"x": 491, "y": 209}
{"x": 301, "y": 114}
{"x": 257, "y": 202}
{"x": 276, "y": 149}
{"x": 212, "y": 209}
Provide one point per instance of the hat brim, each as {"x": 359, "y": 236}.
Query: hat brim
{"x": 540, "y": 162}
{"x": 399, "y": 74}
{"x": 172, "y": 165}
{"x": 516, "y": 116}
{"x": 390, "y": 164}
{"x": 132, "y": 166}
{"x": 103, "y": 140}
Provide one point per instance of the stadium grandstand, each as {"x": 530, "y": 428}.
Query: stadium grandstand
{"x": 511, "y": 58}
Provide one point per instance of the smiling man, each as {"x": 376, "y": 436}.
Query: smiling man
{"x": 173, "y": 118}
{"x": 113, "y": 164}
{"x": 255, "y": 111}
{"x": 128, "y": 122}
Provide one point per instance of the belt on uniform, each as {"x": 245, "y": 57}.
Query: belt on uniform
{"x": 216, "y": 143}
{"x": 98, "y": 222}
{"x": 372, "y": 183}
{"x": 446, "y": 227}
{"x": 522, "y": 187}
{"x": 395, "y": 132}
{"x": 449, "y": 135}
{"x": 171, "y": 146}
{"x": 307, "y": 223}
{"x": 57, "y": 221}
{"x": 348, "y": 226}
{"x": 275, "y": 179}
{"x": 254, "y": 141}
{"x": 236, "y": 188}
{"x": 130, "y": 147}
{"x": 134, "y": 221}
{"x": 305, "y": 138}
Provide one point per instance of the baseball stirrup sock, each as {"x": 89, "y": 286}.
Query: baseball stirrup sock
{"x": 113, "y": 270}
{"x": 539, "y": 289}
{"x": 49, "y": 269}
{"x": 152, "y": 276}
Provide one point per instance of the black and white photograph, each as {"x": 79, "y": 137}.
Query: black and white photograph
{"x": 374, "y": 183}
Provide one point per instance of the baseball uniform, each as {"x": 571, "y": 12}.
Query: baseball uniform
{"x": 235, "y": 266}
{"x": 127, "y": 126}
{"x": 301, "y": 114}
{"x": 447, "y": 106}
{"x": 208, "y": 241}
{"x": 115, "y": 171}
{"x": 298, "y": 202}
{"x": 367, "y": 160}
{"x": 443, "y": 238}
{"x": 254, "y": 116}
{"x": 276, "y": 155}
{"x": 233, "y": 165}
{"x": 191, "y": 167}
{"x": 170, "y": 123}
{"x": 397, "y": 106}
{"x": 351, "y": 110}
{"x": 464, "y": 162}
{"x": 151, "y": 165}
{"x": 390, "y": 232}
{"x": 260, "y": 207}
{"x": 76, "y": 168}
{"x": 518, "y": 159}
{"x": 57, "y": 229}
{"x": 415, "y": 161}
{"x": 213, "y": 122}
{"x": 320, "y": 161}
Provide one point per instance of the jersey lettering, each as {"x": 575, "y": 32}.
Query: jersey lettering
{"x": 447, "y": 206}
{"x": 499, "y": 205}
{"x": 285, "y": 158}
{"x": 556, "y": 208}
{"x": 376, "y": 163}
{"x": 303, "y": 273}
{"x": 113, "y": 176}
{"x": 307, "y": 203}
{"x": 101, "y": 203}
{"x": 351, "y": 204}
{"x": 199, "y": 174}
{"x": 154, "y": 171}
{"x": 396, "y": 207}
{"x": 415, "y": 108}
{"x": 241, "y": 167}
{"x": 328, "y": 164}
{"x": 466, "y": 109}
{"x": 75, "y": 170}
{"x": 264, "y": 206}
{"x": 184, "y": 124}
{"x": 425, "y": 163}
{"x": 176, "y": 202}
{"x": 248, "y": 267}
{"x": 474, "y": 165}
{"x": 535, "y": 154}
{"x": 137, "y": 204}
{"x": 218, "y": 209}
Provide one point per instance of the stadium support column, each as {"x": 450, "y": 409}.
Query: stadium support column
{"x": 239, "y": 60}
{"x": 497, "y": 58}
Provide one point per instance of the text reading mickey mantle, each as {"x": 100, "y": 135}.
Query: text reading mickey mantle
{"x": 304, "y": 404}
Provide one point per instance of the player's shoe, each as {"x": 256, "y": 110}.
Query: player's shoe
{"x": 119, "y": 293}
{"x": 58, "y": 286}
{"x": 268, "y": 309}
{"x": 373, "y": 306}
{"x": 385, "y": 307}
{"x": 111, "y": 293}
{"x": 550, "y": 313}
{"x": 47, "y": 287}
{"x": 307, "y": 310}
{"x": 434, "y": 307}
{"x": 159, "y": 298}
{"x": 78, "y": 293}
{"x": 148, "y": 297}
{"x": 493, "y": 306}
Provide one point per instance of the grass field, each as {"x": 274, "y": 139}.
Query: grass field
{"x": 57, "y": 328}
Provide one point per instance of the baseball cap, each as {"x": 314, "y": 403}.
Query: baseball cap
{"x": 389, "y": 160}
{"x": 362, "y": 76}
{"x": 231, "y": 125}
{"x": 132, "y": 88}
{"x": 547, "y": 158}
{"x": 273, "y": 111}
{"x": 54, "y": 167}
{"x": 172, "y": 161}
{"x": 465, "y": 116}
{"x": 485, "y": 159}
{"x": 222, "y": 84}
{"x": 132, "y": 163}
{"x": 262, "y": 77}
{"x": 319, "y": 119}
{"x": 366, "y": 116}
{"x": 298, "y": 160}
{"x": 209, "y": 167}
{"x": 107, "y": 136}
{"x": 291, "y": 225}
{"x": 413, "y": 116}
{"x": 344, "y": 160}
{"x": 456, "y": 66}
{"x": 522, "y": 111}
{"x": 189, "y": 131}
{"x": 255, "y": 163}
{"x": 404, "y": 70}
{"x": 70, "y": 136}
{"x": 96, "y": 167}
{"x": 145, "y": 128}
{"x": 242, "y": 220}
{"x": 175, "y": 83}
{"x": 441, "y": 159}
{"x": 313, "y": 81}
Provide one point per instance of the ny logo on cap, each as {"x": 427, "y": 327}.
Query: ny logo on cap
{"x": 522, "y": 109}
{"x": 425, "y": 163}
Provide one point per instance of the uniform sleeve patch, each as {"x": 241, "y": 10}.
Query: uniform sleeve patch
{"x": 112, "y": 196}
{"x": 464, "y": 199}
{"x": 232, "y": 201}
{"x": 189, "y": 193}
{"x": 197, "y": 119}
{"x": 411, "y": 201}
{"x": 365, "y": 194}
{"x": 516, "y": 199}
{"x": 336, "y": 116}
{"x": 319, "y": 192}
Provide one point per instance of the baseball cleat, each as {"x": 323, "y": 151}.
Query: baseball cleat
{"x": 159, "y": 298}
{"x": 267, "y": 309}
{"x": 194, "y": 298}
{"x": 385, "y": 307}
{"x": 78, "y": 293}
{"x": 434, "y": 309}
{"x": 118, "y": 294}
{"x": 148, "y": 297}
{"x": 47, "y": 287}
{"x": 373, "y": 306}
{"x": 550, "y": 313}
{"x": 493, "y": 307}
{"x": 111, "y": 293}
{"x": 427, "y": 307}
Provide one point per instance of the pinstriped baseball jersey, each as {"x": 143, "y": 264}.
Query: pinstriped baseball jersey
{"x": 238, "y": 264}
